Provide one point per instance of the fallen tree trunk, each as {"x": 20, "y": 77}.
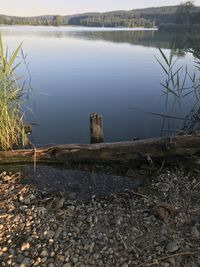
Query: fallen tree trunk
{"x": 120, "y": 152}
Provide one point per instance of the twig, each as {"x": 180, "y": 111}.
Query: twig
{"x": 196, "y": 185}
{"x": 139, "y": 195}
{"x": 195, "y": 210}
{"x": 125, "y": 246}
{"x": 161, "y": 167}
{"x": 167, "y": 257}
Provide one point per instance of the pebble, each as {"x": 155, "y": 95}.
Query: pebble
{"x": 61, "y": 258}
{"x": 172, "y": 246}
{"x": 44, "y": 253}
{"x": 19, "y": 258}
{"x": 65, "y": 237}
{"x": 49, "y": 234}
{"x": 25, "y": 246}
{"x": 172, "y": 261}
{"x": 4, "y": 249}
{"x": 195, "y": 232}
{"x": 58, "y": 233}
{"x": 26, "y": 262}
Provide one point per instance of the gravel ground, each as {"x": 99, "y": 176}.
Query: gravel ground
{"x": 156, "y": 225}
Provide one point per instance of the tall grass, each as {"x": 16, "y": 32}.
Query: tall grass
{"x": 12, "y": 131}
{"x": 179, "y": 83}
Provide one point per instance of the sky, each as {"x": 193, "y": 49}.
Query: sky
{"x": 67, "y": 7}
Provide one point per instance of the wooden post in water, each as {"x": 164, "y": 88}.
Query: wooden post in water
{"x": 96, "y": 129}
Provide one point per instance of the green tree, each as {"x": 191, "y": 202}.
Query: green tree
{"x": 184, "y": 12}
{"x": 58, "y": 20}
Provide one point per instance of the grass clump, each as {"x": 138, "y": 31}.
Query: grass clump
{"x": 12, "y": 130}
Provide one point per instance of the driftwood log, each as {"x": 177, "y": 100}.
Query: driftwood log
{"x": 120, "y": 152}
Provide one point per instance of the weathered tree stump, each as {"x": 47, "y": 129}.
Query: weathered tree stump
{"x": 96, "y": 129}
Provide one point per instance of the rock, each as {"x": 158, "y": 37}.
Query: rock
{"x": 96, "y": 256}
{"x": 160, "y": 213}
{"x": 74, "y": 259}
{"x": 67, "y": 265}
{"x": 58, "y": 233}
{"x": 32, "y": 197}
{"x": 20, "y": 258}
{"x": 44, "y": 253}
{"x": 25, "y": 246}
{"x": 26, "y": 262}
{"x": 124, "y": 265}
{"x": 51, "y": 265}
{"x": 61, "y": 258}
{"x": 38, "y": 261}
{"x": 49, "y": 234}
{"x": 4, "y": 249}
{"x": 163, "y": 211}
{"x": 89, "y": 247}
{"x": 172, "y": 246}
{"x": 195, "y": 232}
{"x": 172, "y": 261}
{"x": 58, "y": 203}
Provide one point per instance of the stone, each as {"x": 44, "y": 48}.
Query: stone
{"x": 44, "y": 253}
{"x": 20, "y": 258}
{"x": 49, "y": 234}
{"x": 4, "y": 249}
{"x": 172, "y": 261}
{"x": 59, "y": 203}
{"x": 26, "y": 262}
{"x": 172, "y": 246}
{"x": 58, "y": 233}
{"x": 25, "y": 246}
{"x": 38, "y": 261}
{"x": 96, "y": 256}
{"x": 61, "y": 258}
{"x": 195, "y": 232}
{"x": 74, "y": 259}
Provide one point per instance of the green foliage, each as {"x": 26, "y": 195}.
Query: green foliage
{"x": 12, "y": 132}
{"x": 58, "y": 21}
{"x": 107, "y": 21}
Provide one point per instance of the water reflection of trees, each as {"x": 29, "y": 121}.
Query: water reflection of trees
{"x": 148, "y": 38}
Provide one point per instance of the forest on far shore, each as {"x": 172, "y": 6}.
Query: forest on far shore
{"x": 184, "y": 14}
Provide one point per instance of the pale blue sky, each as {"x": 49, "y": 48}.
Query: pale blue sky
{"x": 65, "y": 7}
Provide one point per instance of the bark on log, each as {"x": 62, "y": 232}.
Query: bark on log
{"x": 121, "y": 152}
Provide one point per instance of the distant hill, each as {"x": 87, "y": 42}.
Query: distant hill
{"x": 147, "y": 17}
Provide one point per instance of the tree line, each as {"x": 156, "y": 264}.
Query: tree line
{"x": 184, "y": 14}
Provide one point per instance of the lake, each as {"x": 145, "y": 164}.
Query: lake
{"x": 76, "y": 71}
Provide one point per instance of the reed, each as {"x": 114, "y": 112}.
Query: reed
{"x": 180, "y": 83}
{"x": 12, "y": 131}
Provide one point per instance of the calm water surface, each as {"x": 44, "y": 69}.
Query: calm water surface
{"x": 78, "y": 71}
